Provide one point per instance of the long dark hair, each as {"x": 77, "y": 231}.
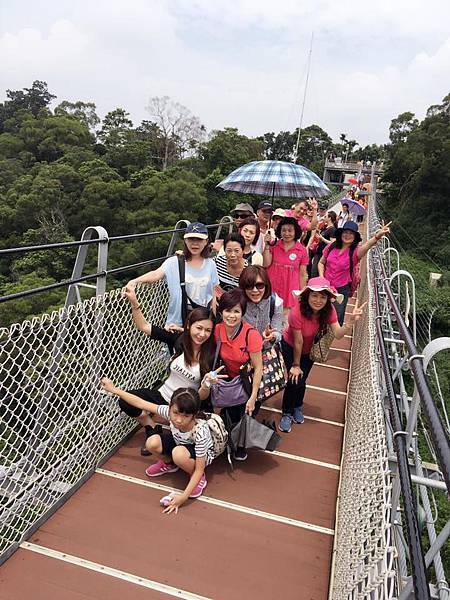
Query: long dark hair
{"x": 308, "y": 312}
{"x": 333, "y": 217}
{"x": 184, "y": 342}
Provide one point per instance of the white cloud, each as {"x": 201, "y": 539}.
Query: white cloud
{"x": 240, "y": 63}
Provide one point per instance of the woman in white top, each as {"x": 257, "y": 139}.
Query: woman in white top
{"x": 192, "y": 359}
{"x": 200, "y": 275}
{"x": 250, "y": 231}
{"x": 344, "y": 215}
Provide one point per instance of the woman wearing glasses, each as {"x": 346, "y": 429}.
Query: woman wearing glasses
{"x": 230, "y": 264}
{"x": 264, "y": 309}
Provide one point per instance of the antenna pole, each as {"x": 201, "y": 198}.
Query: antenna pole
{"x": 304, "y": 98}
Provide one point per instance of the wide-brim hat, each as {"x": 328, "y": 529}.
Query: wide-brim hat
{"x": 319, "y": 284}
{"x": 349, "y": 226}
{"x": 243, "y": 207}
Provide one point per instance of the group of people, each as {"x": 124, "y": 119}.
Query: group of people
{"x": 280, "y": 277}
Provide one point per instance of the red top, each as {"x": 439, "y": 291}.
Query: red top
{"x": 235, "y": 353}
{"x": 308, "y": 327}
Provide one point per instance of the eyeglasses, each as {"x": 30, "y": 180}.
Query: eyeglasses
{"x": 259, "y": 285}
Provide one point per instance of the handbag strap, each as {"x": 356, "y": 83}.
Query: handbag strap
{"x": 216, "y": 355}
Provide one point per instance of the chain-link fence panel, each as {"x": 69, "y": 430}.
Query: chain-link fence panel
{"x": 56, "y": 425}
{"x": 363, "y": 562}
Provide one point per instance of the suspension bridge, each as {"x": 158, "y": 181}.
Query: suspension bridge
{"x": 337, "y": 512}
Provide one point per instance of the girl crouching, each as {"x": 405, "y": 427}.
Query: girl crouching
{"x": 188, "y": 445}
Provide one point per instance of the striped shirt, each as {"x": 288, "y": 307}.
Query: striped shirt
{"x": 202, "y": 440}
{"x": 226, "y": 281}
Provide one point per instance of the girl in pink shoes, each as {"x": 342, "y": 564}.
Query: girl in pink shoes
{"x": 188, "y": 445}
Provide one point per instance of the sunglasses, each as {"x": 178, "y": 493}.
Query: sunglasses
{"x": 259, "y": 286}
{"x": 242, "y": 215}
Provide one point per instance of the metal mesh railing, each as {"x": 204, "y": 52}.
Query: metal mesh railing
{"x": 363, "y": 562}
{"x": 55, "y": 423}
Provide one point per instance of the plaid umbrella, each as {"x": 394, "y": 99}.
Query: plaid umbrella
{"x": 275, "y": 178}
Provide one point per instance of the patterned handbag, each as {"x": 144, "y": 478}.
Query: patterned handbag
{"x": 273, "y": 378}
{"x": 321, "y": 346}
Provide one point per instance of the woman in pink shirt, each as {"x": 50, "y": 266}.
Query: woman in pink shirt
{"x": 287, "y": 260}
{"x": 335, "y": 262}
{"x": 312, "y": 312}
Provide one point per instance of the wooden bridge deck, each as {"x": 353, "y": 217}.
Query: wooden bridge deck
{"x": 263, "y": 531}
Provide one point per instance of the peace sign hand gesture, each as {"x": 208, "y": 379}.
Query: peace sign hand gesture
{"x": 358, "y": 312}
{"x": 384, "y": 230}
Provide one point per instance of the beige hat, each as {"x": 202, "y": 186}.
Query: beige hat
{"x": 280, "y": 212}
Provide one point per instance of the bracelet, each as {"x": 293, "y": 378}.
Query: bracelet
{"x": 295, "y": 365}
{"x": 377, "y": 238}
{"x": 137, "y": 307}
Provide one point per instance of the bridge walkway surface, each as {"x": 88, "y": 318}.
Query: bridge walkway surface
{"x": 263, "y": 530}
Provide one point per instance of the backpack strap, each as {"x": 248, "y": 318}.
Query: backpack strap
{"x": 184, "y": 299}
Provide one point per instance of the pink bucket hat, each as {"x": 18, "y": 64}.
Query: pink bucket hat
{"x": 319, "y": 284}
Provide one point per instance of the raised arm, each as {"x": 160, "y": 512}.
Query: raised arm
{"x": 364, "y": 248}
{"x": 340, "y": 330}
{"x": 108, "y": 386}
{"x": 138, "y": 318}
{"x": 267, "y": 254}
{"x": 150, "y": 277}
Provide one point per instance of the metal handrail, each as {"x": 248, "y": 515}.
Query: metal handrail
{"x": 79, "y": 243}
{"x": 437, "y": 429}
{"x": 419, "y": 575}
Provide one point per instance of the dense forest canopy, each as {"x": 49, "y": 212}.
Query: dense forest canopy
{"x": 64, "y": 169}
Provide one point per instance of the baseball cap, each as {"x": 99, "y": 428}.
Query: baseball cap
{"x": 279, "y": 212}
{"x": 265, "y": 205}
{"x": 196, "y": 230}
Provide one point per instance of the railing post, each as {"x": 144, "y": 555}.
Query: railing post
{"x": 73, "y": 294}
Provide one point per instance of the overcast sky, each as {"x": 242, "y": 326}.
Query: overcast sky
{"x": 236, "y": 63}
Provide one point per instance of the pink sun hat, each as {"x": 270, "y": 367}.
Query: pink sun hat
{"x": 319, "y": 284}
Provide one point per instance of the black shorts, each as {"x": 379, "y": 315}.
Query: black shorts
{"x": 168, "y": 444}
{"x": 148, "y": 394}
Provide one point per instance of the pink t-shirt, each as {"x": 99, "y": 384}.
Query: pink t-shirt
{"x": 308, "y": 327}
{"x": 303, "y": 222}
{"x": 337, "y": 267}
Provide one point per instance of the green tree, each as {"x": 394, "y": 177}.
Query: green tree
{"x": 83, "y": 111}
{"x": 115, "y": 128}
{"x": 227, "y": 149}
{"x": 401, "y": 127}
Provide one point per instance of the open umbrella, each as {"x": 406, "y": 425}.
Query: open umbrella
{"x": 275, "y": 178}
{"x": 354, "y": 207}
{"x": 353, "y": 181}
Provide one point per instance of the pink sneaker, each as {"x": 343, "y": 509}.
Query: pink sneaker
{"x": 160, "y": 468}
{"x": 198, "y": 490}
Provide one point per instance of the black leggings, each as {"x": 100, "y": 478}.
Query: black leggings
{"x": 294, "y": 392}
